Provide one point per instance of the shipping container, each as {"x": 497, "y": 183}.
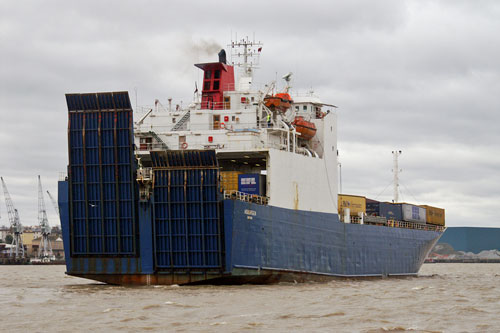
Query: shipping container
{"x": 355, "y": 203}
{"x": 229, "y": 180}
{"x": 372, "y": 207}
{"x": 413, "y": 213}
{"x": 390, "y": 211}
{"x": 252, "y": 183}
{"x": 434, "y": 215}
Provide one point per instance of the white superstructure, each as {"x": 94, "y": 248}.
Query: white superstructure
{"x": 293, "y": 146}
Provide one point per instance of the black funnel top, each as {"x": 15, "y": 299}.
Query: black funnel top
{"x": 222, "y": 56}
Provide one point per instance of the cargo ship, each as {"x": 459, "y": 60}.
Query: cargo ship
{"x": 240, "y": 186}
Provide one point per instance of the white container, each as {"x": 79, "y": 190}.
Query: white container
{"x": 413, "y": 213}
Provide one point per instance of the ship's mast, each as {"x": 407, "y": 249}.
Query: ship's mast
{"x": 395, "y": 169}
{"x": 249, "y": 53}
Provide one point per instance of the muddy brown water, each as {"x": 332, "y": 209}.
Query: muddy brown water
{"x": 443, "y": 298}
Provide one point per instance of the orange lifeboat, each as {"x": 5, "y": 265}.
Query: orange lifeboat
{"x": 306, "y": 128}
{"x": 280, "y": 102}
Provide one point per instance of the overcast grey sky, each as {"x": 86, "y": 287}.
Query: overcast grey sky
{"x": 420, "y": 76}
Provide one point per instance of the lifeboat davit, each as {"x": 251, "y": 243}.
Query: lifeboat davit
{"x": 306, "y": 128}
{"x": 280, "y": 102}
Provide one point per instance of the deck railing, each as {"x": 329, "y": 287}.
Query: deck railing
{"x": 412, "y": 225}
{"x": 401, "y": 224}
{"x": 237, "y": 195}
{"x": 261, "y": 200}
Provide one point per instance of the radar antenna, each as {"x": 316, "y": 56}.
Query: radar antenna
{"x": 45, "y": 249}
{"x": 287, "y": 78}
{"x": 17, "y": 247}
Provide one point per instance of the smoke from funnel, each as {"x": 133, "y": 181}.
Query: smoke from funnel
{"x": 205, "y": 47}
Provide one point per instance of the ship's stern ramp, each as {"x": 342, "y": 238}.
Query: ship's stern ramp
{"x": 112, "y": 234}
{"x": 187, "y": 226}
{"x": 98, "y": 199}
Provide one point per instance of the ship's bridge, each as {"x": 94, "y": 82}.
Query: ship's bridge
{"x": 241, "y": 123}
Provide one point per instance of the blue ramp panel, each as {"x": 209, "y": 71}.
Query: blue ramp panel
{"x": 186, "y": 209}
{"x": 100, "y": 175}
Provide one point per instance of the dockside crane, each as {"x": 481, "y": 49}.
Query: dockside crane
{"x": 45, "y": 249}
{"x": 17, "y": 248}
{"x": 54, "y": 203}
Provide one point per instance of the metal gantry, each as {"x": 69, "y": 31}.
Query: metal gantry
{"x": 45, "y": 249}
{"x": 54, "y": 203}
{"x": 17, "y": 247}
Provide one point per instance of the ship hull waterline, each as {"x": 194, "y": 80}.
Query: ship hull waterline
{"x": 266, "y": 244}
{"x": 239, "y": 277}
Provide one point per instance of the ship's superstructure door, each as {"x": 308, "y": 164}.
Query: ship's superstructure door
{"x": 187, "y": 227}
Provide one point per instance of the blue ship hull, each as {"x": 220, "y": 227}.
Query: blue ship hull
{"x": 277, "y": 239}
{"x": 265, "y": 244}
{"x": 175, "y": 227}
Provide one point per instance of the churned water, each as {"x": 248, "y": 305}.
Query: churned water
{"x": 444, "y": 298}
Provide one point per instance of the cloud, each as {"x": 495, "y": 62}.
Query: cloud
{"x": 421, "y": 76}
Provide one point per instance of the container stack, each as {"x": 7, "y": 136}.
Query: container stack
{"x": 406, "y": 212}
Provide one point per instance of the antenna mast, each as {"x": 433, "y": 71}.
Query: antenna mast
{"x": 395, "y": 169}
{"x": 245, "y": 54}
{"x": 17, "y": 249}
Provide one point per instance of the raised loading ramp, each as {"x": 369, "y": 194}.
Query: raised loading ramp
{"x": 187, "y": 225}
{"x": 101, "y": 175}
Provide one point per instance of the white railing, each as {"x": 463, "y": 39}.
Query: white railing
{"x": 412, "y": 225}
{"x": 230, "y": 126}
{"x": 146, "y": 147}
{"x": 237, "y": 195}
{"x": 401, "y": 224}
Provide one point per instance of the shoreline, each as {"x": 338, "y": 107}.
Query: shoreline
{"x": 462, "y": 261}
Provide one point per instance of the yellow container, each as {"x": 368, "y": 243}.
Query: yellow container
{"x": 229, "y": 180}
{"x": 355, "y": 203}
{"x": 434, "y": 215}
